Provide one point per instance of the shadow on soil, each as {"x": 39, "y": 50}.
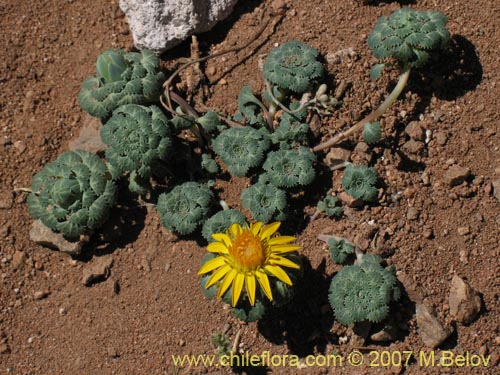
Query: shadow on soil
{"x": 123, "y": 227}
{"x": 301, "y": 325}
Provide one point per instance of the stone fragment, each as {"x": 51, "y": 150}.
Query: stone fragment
{"x": 413, "y": 147}
{"x": 456, "y": 174}
{"x": 336, "y": 156}
{"x": 388, "y": 333}
{"x": 6, "y": 199}
{"x": 89, "y": 138}
{"x": 441, "y": 138}
{"x": 412, "y": 213}
{"x": 496, "y": 189}
{"x": 18, "y": 259}
{"x": 44, "y": 236}
{"x": 463, "y": 231}
{"x": 465, "y": 302}
{"x": 432, "y": 332}
{"x": 415, "y": 131}
{"x": 162, "y": 24}
{"x": 349, "y": 200}
{"x": 100, "y": 270}
{"x": 41, "y": 294}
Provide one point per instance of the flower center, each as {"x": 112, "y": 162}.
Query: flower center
{"x": 247, "y": 251}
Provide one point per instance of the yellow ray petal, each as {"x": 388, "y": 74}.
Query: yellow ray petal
{"x": 281, "y": 249}
{"x": 264, "y": 283}
{"x": 212, "y": 264}
{"x": 270, "y": 229}
{"x": 255, "y": 228}
{"x": 250, "y": 284}
{"x": 228, "y": 279}
{"x": 280, "y": 261}
{"x": 237, "y": 287}
{"x": 281, "y": 240}
{"x": 222, "y": 237}
{"x": 235, "y": 230}
{"x": 217, "y": 275}
{"x": 279, "y": 273}
{"x": 217, "y": 247}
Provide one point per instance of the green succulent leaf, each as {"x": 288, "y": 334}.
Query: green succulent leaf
{"x": 241, "y": 148}
{"x": 409, "y": 36}
{"x": 250, "y": 107}
{"x": 137, "y": 137}
{"x": 291, "y": 131}
{"x": 293, "y": 66}
{"x": 122, "y": 78}
{"x": 73, "y": 194}
{"x": 340, "y": 250}
{"x": 221, "y": 221}
{"x": 265, "y": 201}
{"x": 359, "y": 181}
{"x": 111, "y": 65}
{"x": 209, "y": 164}
{"x": 209, "y": 122}
{"x": 330, "y": 206}
{"x": 290, "y": 168}
{"x": 363, "y": 292}
{"x": 185, "y": 207}
{"x": 376, "y": 71}
{"x": 182, "y": 121}
{"x": 372, "y": 132}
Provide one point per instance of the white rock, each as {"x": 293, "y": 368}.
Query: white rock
{"x": 161, "y": 24}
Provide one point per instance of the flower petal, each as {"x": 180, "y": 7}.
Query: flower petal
{"x": 235, "y": 230}
{"x": 264, "y": 283}
{"x": 217, "y": 247}
{"x": 280, "y": 261}
{"x": 228, "y": 279}
{"x": 280, "y": 240}
{"x": 217, "y": 275}
{"x": 222, "y": 237}
{"x": 237, "y": 287}
{"x": 250, "y": 284}
{"x": 281, "y": 249}
{"x": 255, "y": 228}
{"x": 270, "y": 229}
{"x": 212, "y": 264}
{"x": 279, "y": 273}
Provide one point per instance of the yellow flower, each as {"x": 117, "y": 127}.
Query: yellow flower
{"x": 247, "y": 255}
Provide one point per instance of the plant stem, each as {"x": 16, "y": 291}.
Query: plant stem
{"x": 403, "y": 79}
{"x": 224, "y": 205}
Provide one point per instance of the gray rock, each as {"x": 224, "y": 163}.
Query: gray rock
{"x": 465, "y": 302}
{"x": 456, "y": 174}
{"x": 44, "y": 236}
{"x": 432, "y": 332}
{"x": 89, "y": 138}
{"x": 161, "y": 24}
{"x": 100, "y": 270}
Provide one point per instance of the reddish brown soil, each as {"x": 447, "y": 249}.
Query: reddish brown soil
{"x": 151, "y": 306}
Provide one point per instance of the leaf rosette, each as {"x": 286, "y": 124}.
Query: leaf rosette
{"x": 73, "y": 194}
{"x": 293, "y": 66}
{"x": 137, "y": 137}
{"x": 185, "y": 207}
{"x": 241, "y": 148}
{"x": 409, "y": 36}
{"x": 121, "y": 78}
